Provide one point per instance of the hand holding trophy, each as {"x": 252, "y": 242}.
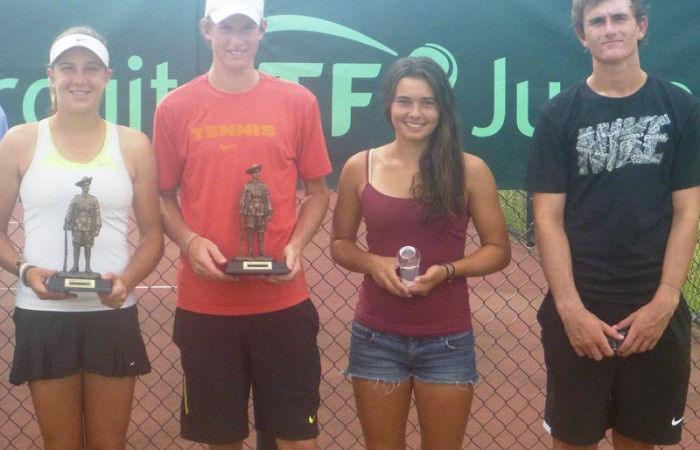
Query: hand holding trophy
{"x": 408, "y": 259}
{"x": 255, "y": 210}
{"x": 83, "y": 220}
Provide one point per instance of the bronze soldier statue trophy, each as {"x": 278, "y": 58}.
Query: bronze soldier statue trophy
{"x": 255, "y": 210}
{"x": 83, "y": 220}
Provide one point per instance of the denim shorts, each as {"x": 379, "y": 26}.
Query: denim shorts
{"x": 393, "y": 358}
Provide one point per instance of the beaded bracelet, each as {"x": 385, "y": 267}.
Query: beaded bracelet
{"x": 452, "y": 272}
{"x": 449, "y": 270}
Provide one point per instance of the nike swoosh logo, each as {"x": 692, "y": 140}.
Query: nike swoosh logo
{"x": 675, "y": 422}
{"x": 227, "y": 146}
{"x": 312, "y": 419}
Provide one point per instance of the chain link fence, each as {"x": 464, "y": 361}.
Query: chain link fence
{"x": 509, "y": 399}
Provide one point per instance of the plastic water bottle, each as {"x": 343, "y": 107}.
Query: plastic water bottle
{"x": 409, "y": 264}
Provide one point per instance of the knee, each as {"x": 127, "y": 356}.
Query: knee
{"x": 63, "y": 442}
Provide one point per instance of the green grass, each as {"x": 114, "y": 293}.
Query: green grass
{"x": 514, "y": 204}
{"x": 691, "y": 290}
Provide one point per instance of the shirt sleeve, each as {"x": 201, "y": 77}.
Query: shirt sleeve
{"x": 549, "y": 163}
{"x": 166, "y": 150}
{"x": 312, "y": 154}
{"x": 686, "y": 165}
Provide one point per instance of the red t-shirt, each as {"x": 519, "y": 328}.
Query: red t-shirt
{"x": 205, "y": 140}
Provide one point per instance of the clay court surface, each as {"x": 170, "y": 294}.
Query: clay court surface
{"x": 506, "y": 413}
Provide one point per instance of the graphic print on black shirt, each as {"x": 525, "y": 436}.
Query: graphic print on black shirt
{"x": 611, "y": 146}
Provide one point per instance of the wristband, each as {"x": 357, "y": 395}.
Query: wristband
{"x": 22, "y": 273}
{"x": 188, "y": 242}
{"x": 18, "y": 265}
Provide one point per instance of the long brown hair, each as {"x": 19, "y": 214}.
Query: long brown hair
{"x": 439, "y": 185}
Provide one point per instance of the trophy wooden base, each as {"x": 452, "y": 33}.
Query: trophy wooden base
{"x": 78, "y": 282}
{"x": 251, "y": 266}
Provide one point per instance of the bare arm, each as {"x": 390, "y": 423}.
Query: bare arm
{"x": 204, "y": 256}
{"x": 10, "y": 178}
{"x": 585, "y": 331}
{"x": 311, "y": 213}
{"x": 140, "y": 160}
{"x": 487, "y": 215}
{"x": 649, "y": 322}
{"x": 16, "y": 151}
{"x": 485, "y": 211}
{"x": 347, "y": 217}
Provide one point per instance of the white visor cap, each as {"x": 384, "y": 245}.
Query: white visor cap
{"x": 218, "y": 10}
{"x": 79, "y": 40}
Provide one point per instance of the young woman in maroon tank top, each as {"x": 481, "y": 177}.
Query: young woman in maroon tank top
{"x": 423, "y": 188}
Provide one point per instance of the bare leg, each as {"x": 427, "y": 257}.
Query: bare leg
{"x": 297, "y": 445}
{"x": 265, "y": 441}
{"x": 58, "y": 406}
{"x": 559, "y": 445}
{"x": 622, "y": 442}
{"x": 107, "y": 407}
{"x": 383, "y": 412}
{"x": 443, "y": 412}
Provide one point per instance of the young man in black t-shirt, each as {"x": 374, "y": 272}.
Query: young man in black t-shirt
{"x": 615, "y": 175}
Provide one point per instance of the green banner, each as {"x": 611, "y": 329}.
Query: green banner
{"x": 504, "y": 58}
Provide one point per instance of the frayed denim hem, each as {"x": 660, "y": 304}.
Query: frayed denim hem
{"x": 391, "y": 384}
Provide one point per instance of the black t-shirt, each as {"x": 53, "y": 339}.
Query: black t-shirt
{"x": 618, "y": 160}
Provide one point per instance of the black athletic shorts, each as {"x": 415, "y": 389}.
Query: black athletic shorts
{"x": 642, "y": 396}
{"x": 52, "y": 344}
{"x": 223, "y": 357}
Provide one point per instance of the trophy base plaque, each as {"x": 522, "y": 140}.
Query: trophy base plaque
{"x": 78, "y": 282}
{"x": 247, "y": 266}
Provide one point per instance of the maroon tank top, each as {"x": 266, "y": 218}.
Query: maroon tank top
{"x": 391, "y": 223}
